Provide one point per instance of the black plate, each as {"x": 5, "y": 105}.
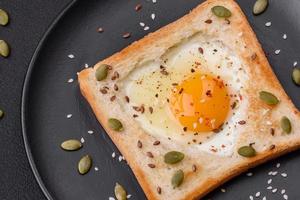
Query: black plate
{"x": 48, "y": 98}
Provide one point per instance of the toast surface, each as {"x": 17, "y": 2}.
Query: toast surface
{"x": 212, "y": 170}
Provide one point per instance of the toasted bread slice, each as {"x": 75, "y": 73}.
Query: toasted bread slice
{"x": 203, "y": 171}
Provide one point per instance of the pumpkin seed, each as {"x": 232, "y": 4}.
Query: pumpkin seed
{"x": 4, "y": 49}
{"x": 71, "y": 145}
{"x": 115, "y": 124}
{"x": 120, "y": 192}
{"x": 177, "y": 178}
{"x": 173, "y": 157}
{"x": 221, "y": 11}
{"x": 286, "y": 125}
{"x": 101, "y": 72}
{"x": 260, "y": 6}
{"x": 85, "y": 164}
{"x": 1, "y": 113}
{"x": 268, "y": 98}
{"x": 247, "y": 151}
{"x": 3, "y": 17}
{"x": 296, "y": 76}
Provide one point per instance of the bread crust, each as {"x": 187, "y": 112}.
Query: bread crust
{"x": 264, "y": 72}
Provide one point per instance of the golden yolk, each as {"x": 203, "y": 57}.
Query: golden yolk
{"x": 200, "y": 103}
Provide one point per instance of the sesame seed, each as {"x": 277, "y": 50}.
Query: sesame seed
{"x": 86, "y": 65}
{"x": 282, "y": 191}
{"x": 274, "y": 190}
{"x": 268, "y": 24}
{"x": 223, "y": 190}
{"x": 264, "y": 198}
{"x": 96, "y": 168}
{"x": 277, "y": 51}
{"x": 111, "y": 198}
{"x": 278, "y": 165}
{"x": 270, "y": 181}
{"x": 153, "y": 16}
{"x": 257, "y": 194}
{"x": 70, "y": 80}
{"x": 71, "y": 56}
{"x": 120, "y": 158}
{"x": 269, "y": 187}
{"x": 284, "y": 175}
{"x": 285, "y": 197}
{"x": 295, "y": 64}
{"x": 153, "y": 1}
{"x": 128, "y": 196}
{"x": 82, "y": 140}
{"x": 249, "y": 174}
{"x": 126, "y": 35}
{"x": 90, "y": 132}
{"x": 113, "y": 155}
{"x": 146, "y": 28}
{"x": 251, "y": 197}
{"x": 284, "y": 36}
{"x": 69, "y": 116}
{"x": 142, "y": 24}
{"x": 274, "y": 173}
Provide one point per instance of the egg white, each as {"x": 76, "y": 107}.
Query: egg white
{"x": 148, "y": 86}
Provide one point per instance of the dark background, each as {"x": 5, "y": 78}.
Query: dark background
{"x": 29, "y": 19}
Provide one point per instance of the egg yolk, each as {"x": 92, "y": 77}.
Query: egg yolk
{"x": 200, "y": 103}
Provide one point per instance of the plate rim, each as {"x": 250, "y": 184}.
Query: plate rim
{"x": 24, "y": 96}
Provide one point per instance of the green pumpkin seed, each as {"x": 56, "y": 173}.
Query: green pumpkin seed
{"x": 173, "y": 157}
{"x": 1, "y": 113}
{"x": 120, "y": 192}
{"x": 115, "y": 124}
{"x": 296, "y": 76}
{"x": 268, "y": 98}
{"x": 221, "y": 11}
{"x": 247, "y": 151}
{"x": 85, "y": 164}
{"x": 101, "y": 72}
{"x": 71, "y": 145}
{"x": 260, "y": 6}
{"x": 286, "y": 125}
{"x": 3, "y": 17}
{"x": 4, "y": 49}
{"x": 177, "y": 178}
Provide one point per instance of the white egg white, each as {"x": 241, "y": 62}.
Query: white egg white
{"x": 149, "y": 86}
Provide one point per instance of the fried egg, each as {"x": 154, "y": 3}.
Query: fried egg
{"x": 192, "y": 95}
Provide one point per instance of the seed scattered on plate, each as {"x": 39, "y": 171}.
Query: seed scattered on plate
{"x": 264, "y": 198}
{"x": 90, "y": 132}
{"x": 138, "y": 7}
{"x": 277, "y": 51}
{"x": 69, "y": 116}
{"x": 270, "y": 181}
{"x": 153, "y": 16}
{"x": 268, "y": 24}
{"x": 277, "y": 165}
{"x": 100, "y": 30}
{"x": 274, "y": 190}
{"x": 284, "y": 36}
{"x": 223, "y": 190}
{"x": 285, "y": 197}
{"x": 282, "y": 191}
{"x": 257, "y": 194}
{"x": 96, "y": 169}
{"x": 284, "y": 175}
{"x": 111, "y": 198}
{"x": 153, "y": 1}
{"x": 269, "y": 187}
{"x": 249, "y": 174}
{"x": 146, "y": 28}
{"x": 126, "y": 35}
{"x": 86, "y": 65}
{"x": 113, "y": 155}
{"x": 142, "y": 24}
{"x": 70, "y": 80}
{"x": 82, "y": 140}
{"x": 71, "y": 56}
{"x": 251, "y": 197}
{"x": 295, "y": 64}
